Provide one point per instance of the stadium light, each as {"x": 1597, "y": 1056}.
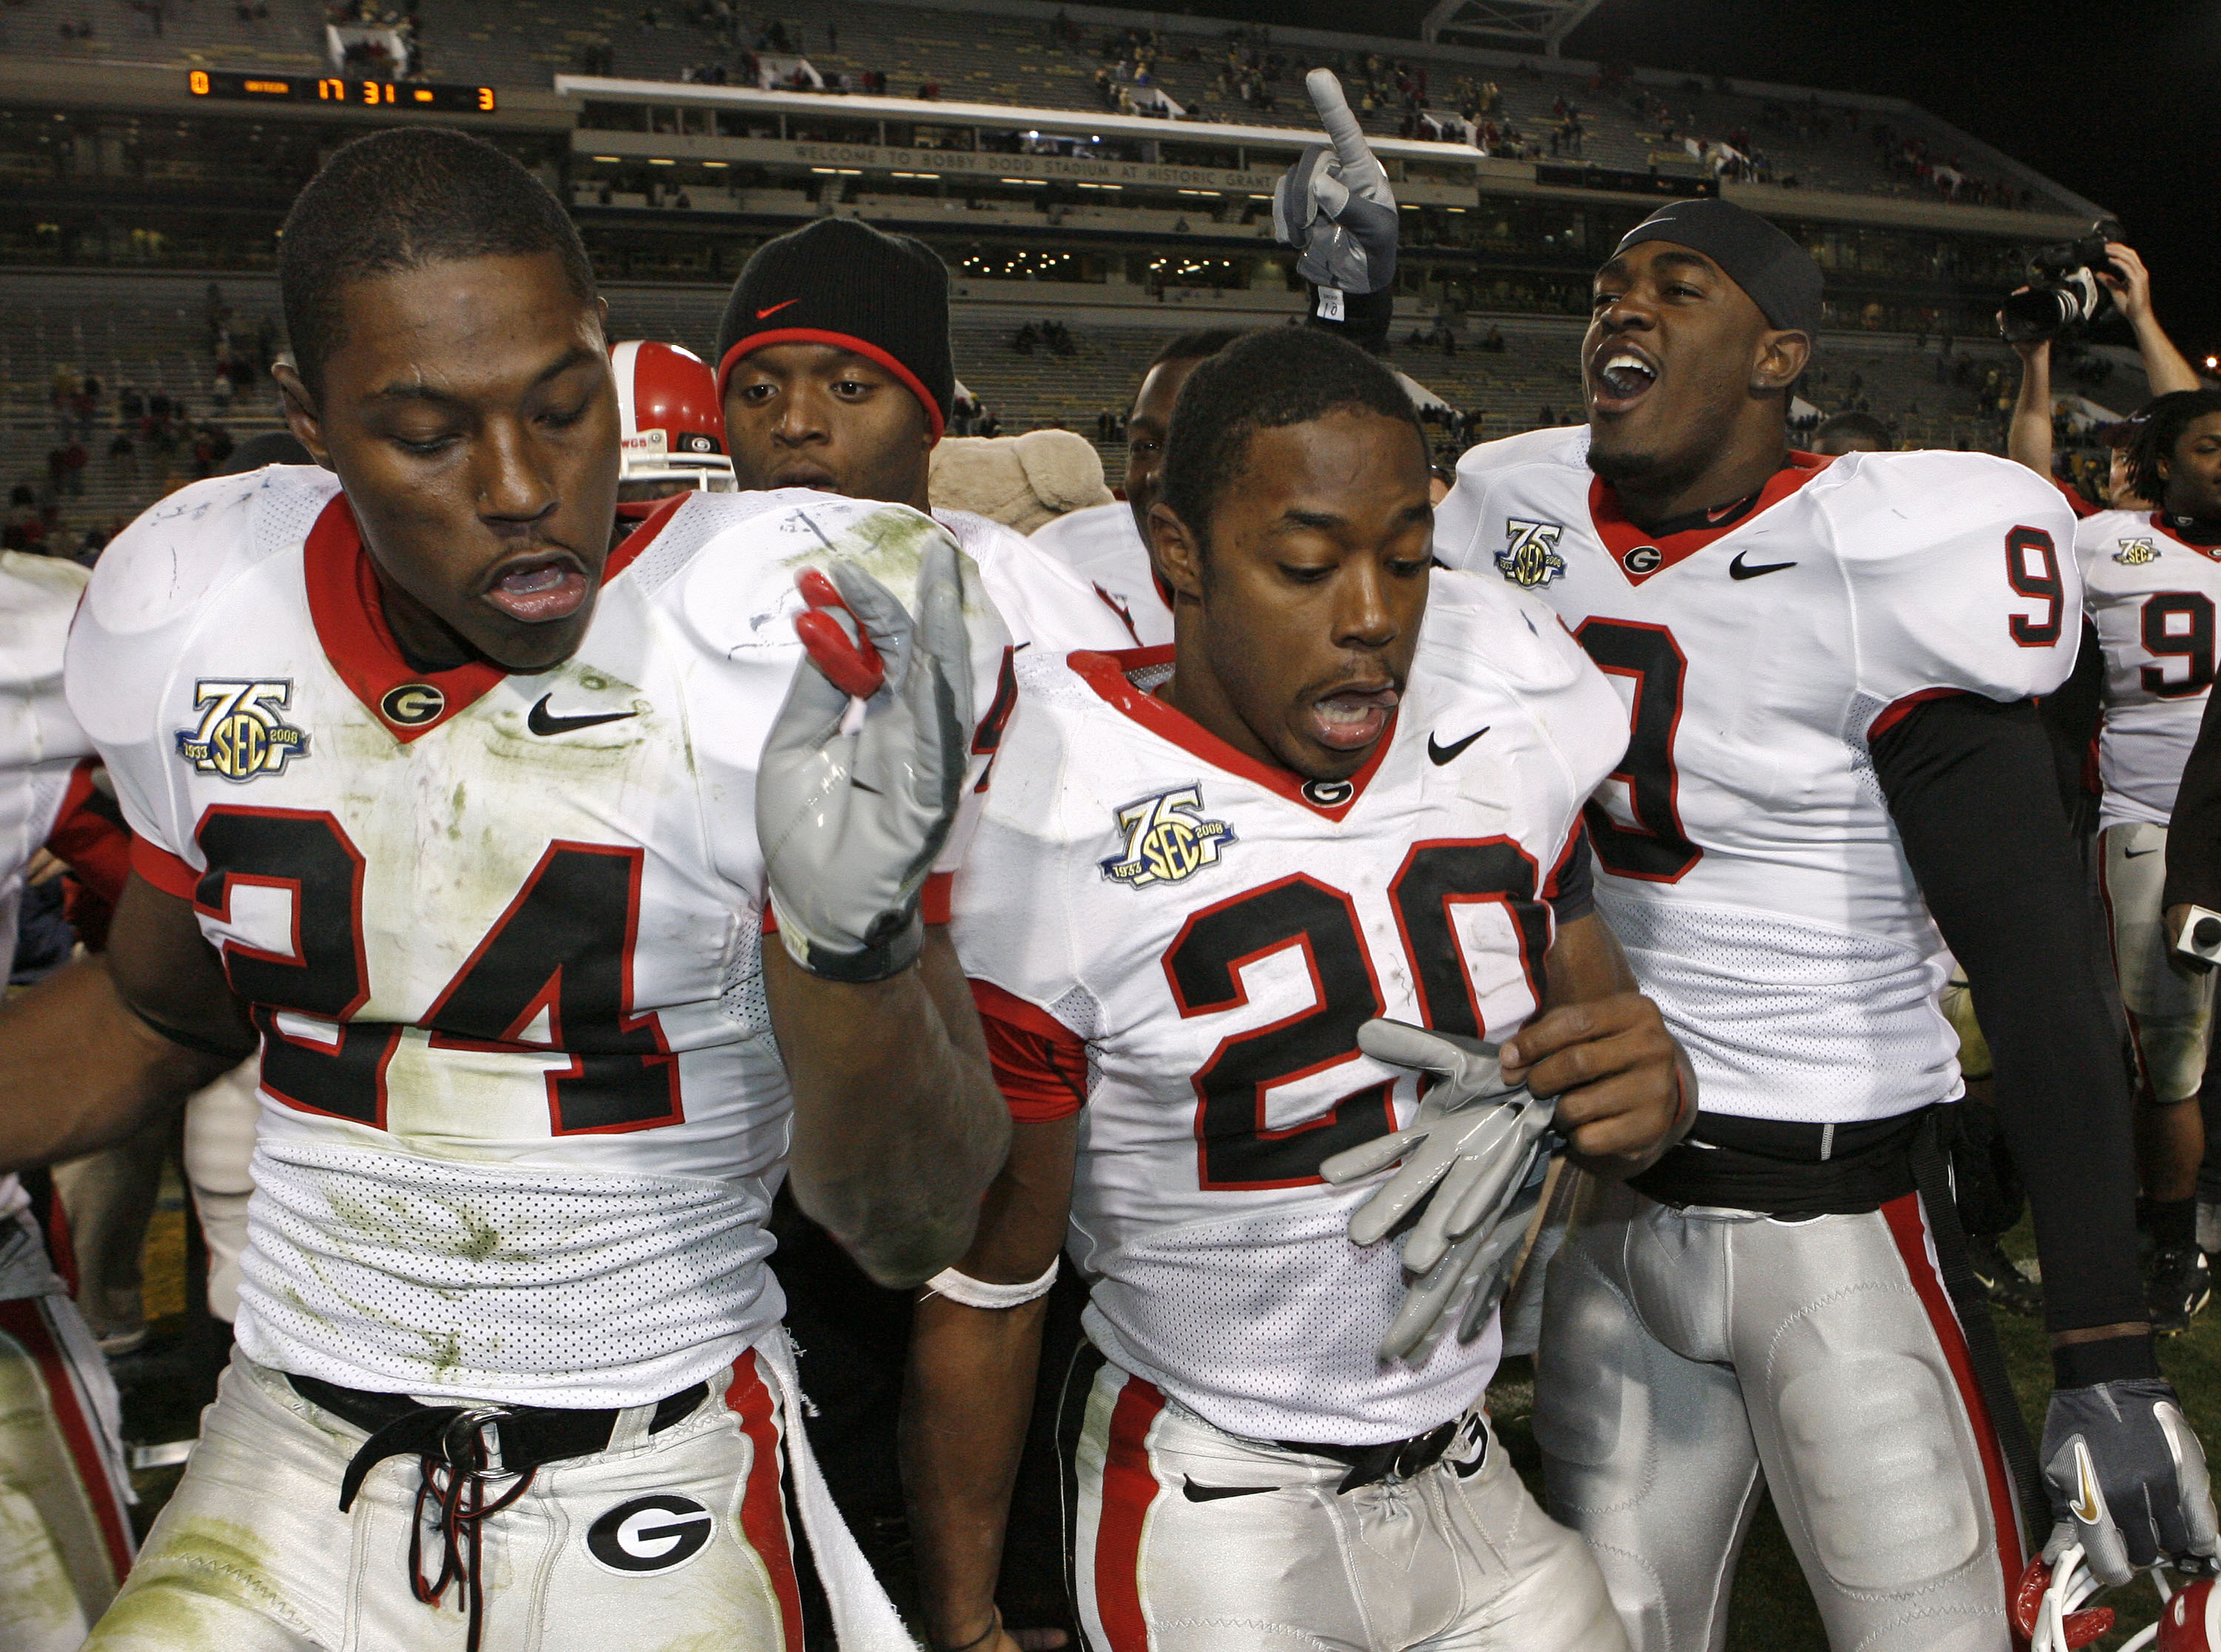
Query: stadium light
{"x": 2213, "y": 361}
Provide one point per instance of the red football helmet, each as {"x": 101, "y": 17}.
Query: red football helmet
{"x": 2048, "y": 1610}
{"x": 673, "y": 426}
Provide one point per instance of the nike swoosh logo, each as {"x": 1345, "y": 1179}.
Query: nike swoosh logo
{"x": 2130, "y": 854}
{"x": 1443, "y": 754}
{"x": 2086, "y": 1507}
{"x": 1740, "y": 570}
{"x": 1212, "y": 1494}
{"x": 542, "y": 721}
{"x": 775, "y": 308}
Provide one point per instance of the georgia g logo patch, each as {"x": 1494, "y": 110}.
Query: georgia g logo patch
{"x": 1166, "y": 841}
{"x": 242, "y": 732}
{"x": 1530, "y": 555}
{"x": 649, "y": 1535}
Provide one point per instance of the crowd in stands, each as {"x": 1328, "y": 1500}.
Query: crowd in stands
{"x": 1052, "y": 336}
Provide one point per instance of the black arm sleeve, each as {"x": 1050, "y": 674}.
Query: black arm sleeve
{"x": 2071, "y": 712}
{"x": 2193, "y": 836}
{"x": 1365, "y": 316}
{"x": 1970, "y": 784}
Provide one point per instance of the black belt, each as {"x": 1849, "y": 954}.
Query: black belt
{"x": 1782, "y": 1168}
{"x": 459, "y": 1447}
{"x": 1405, "y": 1459}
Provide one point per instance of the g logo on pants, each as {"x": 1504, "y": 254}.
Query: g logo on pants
{"x": 650, "y": 1535}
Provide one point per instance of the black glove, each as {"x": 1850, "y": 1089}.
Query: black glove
{"x": 2128, "y": 1479}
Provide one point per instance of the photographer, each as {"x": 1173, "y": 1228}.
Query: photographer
{"x": 2029, "y": 440}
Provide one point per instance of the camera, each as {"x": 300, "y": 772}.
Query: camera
{"x": 2065, "y": 295}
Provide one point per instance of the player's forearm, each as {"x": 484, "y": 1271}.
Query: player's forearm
{"x": 2164, "y": 365}
{"x": 898, "y": 1128}
{"x": 2029, "y": 441}
{"x": 79, "y": 1071}
{"x": 965, "y": 1410}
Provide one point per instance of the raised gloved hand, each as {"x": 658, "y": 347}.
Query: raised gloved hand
{"x": 1338, "y": 214}
{"x": 861, "y": 772}
{"x": 2127, "y": 1481}
{"x": 1470, "y": 1152}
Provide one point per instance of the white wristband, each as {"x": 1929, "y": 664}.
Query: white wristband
{"x": 979, "y": 1293}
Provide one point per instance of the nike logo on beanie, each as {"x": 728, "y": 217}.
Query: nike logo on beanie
{"x": 775, "y": 308}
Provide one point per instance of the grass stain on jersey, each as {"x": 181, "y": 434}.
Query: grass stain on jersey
{"x": 889, "y": 546}
{"x": 191, "y": 1585}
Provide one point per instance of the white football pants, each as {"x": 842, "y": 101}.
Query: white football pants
{"x": 1191, "y": 1540}
{"x": 1691, "y": 1357}
{"x": 2169, "y": 1008}
{"x": 662, "y": 1540}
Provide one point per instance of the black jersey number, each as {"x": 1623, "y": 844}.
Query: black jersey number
{"x": 2032, "y": 569}
{"x": 552, "y": 977}
{"x": 1654, "y": 848}
{"x": 2179, "y": 625}
{"x": 1235, "y": 1148}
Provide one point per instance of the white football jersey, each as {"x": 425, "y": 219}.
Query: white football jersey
{"x": 1102, "y": 546}
{"x": 522, "y": 1116}
{"x": 1214, "y": 931}
{"x": 1746, "y": 856}
{"x": 1042, "y": 603}
{"x": 2151, "y": 594}
{"x": 40, "y": 743}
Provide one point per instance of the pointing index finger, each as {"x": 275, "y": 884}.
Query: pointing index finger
{"x": 1349, "y": 146}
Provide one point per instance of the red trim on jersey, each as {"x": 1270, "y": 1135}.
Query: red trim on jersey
{"x": 1621, "y": 536}
{"x": 2210, "y": 552}
{"x": 1129, "y": 1487}
{"x": 1897, "y": 711}
{"x": 932, "y": 902}
{"x": 639, "y": 540}
{"x": 763, "y": 1508}
{"x": 349, "y": 613}
{"x": 25, "y": 1319}
{"x": 164, "y": 870}
{"x": 1105, "y": 673}
{"x": 1908, "y": 1225}
{"x": 1549, "y": 890}
{"x": 847, "y": 341}
{"x": 1040, "y": 1065}
{"x": 95, "y": 848}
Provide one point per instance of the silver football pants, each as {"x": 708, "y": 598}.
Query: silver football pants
{"x": 1690, "y": 1357}
{"x": 1191, "y": 1540}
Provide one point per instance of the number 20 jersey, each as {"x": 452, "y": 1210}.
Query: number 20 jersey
{"x": 522, "y": 1112}
{"x": 1203, "y": 934}
{"x": 2151, "y": 594}
{"x": 1745, "y": 857}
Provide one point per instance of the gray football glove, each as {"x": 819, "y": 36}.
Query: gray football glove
{"x": 1470, "y": 1153}
{"x": 1480, "y": 1263}
{"x": 852, "y": 809}
{"x": 2127, "y": 1481}
{"x": 1339, "y": 214}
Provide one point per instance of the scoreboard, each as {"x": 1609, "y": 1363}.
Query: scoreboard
{"x": 429, "y": 96}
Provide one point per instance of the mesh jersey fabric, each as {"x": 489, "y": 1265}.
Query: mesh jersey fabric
{"x": 2151, "y": 594}
{"x": 1755, "y": 661}
{"x": 494, "y": 927}
{"x": 1211, "y": 974}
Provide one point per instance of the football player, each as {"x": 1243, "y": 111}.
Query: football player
{"x": 65, "y": 1531}
{"x": 1340, "y": 795}
{"x": 2150, "y": 578}
{"x": 669, "y": 426}
{"x": 1834, "y": 770}
{"x": 475, "y": 823}
{"x": 1108, "y": 546}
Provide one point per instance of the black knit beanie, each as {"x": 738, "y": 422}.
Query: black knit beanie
{"x": 843, "y": 282}
{"x": 1779, "y": 276}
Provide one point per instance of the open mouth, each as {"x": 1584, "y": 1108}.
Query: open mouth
{"x": 539, "y": 590}
{"x": 1350, "y": 719}
{"x": 807, "y": 476}
{"x": 1620, "y": 377}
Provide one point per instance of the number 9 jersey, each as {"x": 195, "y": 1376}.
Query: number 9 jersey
{"x": 522, "y": 1115}
{"x": 1745, "y": 854}
{"x": 1180, "y": 943}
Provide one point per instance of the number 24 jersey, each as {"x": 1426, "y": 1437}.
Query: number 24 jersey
{"x": 1745, "y": 854}
{"x": 1197, "y": 937}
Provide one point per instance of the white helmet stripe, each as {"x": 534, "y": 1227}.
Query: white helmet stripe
{"x": 620, "y": 363}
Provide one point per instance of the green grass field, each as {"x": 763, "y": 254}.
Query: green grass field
{"x": 1773, "y": 1609}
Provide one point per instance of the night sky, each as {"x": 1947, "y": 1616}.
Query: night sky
{"x": 2106, "y": 99}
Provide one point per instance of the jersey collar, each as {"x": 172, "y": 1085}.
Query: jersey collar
{"x": 1105, "y": 673}
{"x": 1638, "y": 555}
{"x": 2210, "y": 552}
{"x": 348, "y": 611}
